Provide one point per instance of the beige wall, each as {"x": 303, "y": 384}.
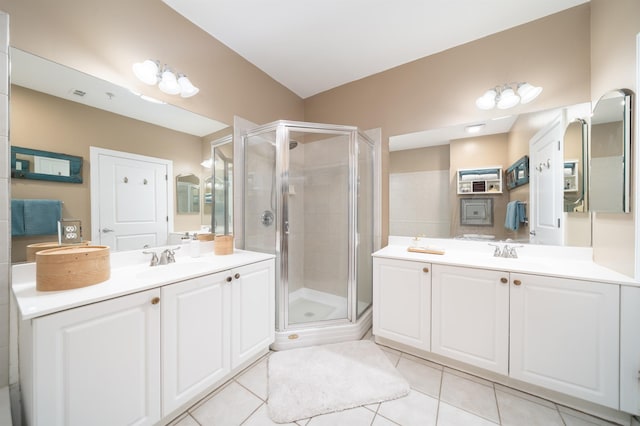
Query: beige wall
{"x": 614, "y": 25}
{"x": 440, "y": 90}
{"x": 49, "y": 123}
{"x": 419, "y": 159}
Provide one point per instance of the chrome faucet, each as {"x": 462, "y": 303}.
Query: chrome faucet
{"x": 166, "y": 256}
{"x": 154, "y": 257}
{"x": 506, "y": 251}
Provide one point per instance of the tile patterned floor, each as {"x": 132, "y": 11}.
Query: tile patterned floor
{"x": 439, "y": 396}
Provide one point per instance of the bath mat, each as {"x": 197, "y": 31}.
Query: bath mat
{"x": 322, "y": 379}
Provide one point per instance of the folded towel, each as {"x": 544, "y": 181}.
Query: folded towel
{"x": 521, "y": 213}
{"x": 41, "y": 216}
{"x": 17, "y": 218}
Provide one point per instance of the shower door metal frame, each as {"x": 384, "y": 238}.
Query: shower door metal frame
{"x": 282, "y": 129}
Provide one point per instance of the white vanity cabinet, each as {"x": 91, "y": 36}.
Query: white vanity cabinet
{"x": 212, "y": 325}
{"x": 195, "y": 337}
{"x": 402, "y": 301}
{"x": 139, "y": 358}
{"x": 98, "y": 364}
{"x": 470, "y": 316}
{"x": 565, "y": 336}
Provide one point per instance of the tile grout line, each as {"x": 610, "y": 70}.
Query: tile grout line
{"x": 495, "y": 396}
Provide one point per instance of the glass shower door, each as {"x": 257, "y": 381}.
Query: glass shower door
{"x": 318, "y": 226}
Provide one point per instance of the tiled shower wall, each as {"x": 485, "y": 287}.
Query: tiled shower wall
{"x": 5, "y": 237}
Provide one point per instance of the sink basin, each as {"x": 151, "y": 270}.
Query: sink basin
{"x": 173, "y": 270}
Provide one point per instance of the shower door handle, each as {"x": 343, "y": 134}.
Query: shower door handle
{"x": 286, "y": 227}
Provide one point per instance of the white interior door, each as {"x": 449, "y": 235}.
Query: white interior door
{"x": 546, "y": 168}
{"x": 130, "y": 200}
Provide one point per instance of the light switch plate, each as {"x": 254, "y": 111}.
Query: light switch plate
{"x": 69, "y": 231}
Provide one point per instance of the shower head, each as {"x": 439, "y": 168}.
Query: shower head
{"x": 293, "y": 144}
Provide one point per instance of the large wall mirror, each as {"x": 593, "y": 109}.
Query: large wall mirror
{"x": 611, "y": 153}
{"x": 423, "y": 185}
{"x": 74, "y": 111}
{"x": 222, "y": 154}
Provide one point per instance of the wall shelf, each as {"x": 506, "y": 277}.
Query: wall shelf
{"x": 480, "y": 181}
{"x": 570, "y": 176}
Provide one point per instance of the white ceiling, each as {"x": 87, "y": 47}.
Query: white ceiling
{"x": 313, "y": 46}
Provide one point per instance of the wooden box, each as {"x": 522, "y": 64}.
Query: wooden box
{"x": 32, "y": 249}
{"x": 223, "y": 244}
{"x": 71, "y": 267}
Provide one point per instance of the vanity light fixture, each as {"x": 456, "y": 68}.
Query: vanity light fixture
{"x": 505, "y": 96}
{"x": 151, "y": 73}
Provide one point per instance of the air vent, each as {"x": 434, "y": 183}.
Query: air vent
{"x": 78, "y": 92}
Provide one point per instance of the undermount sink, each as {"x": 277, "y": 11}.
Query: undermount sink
{"x": 173, "y": 270}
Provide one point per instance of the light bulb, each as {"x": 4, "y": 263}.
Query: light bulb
{"x": 168, "y": 83}
{"x": 528, "y": 92}
{"x": 487, "y": 101}
{"x": 186, "y": 88}
{"x": 508, "y": 98}
{"x": 146, "y": 71}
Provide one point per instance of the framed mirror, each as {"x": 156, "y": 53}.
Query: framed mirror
{"x": 27, "y": 163}
{"x": 188, "y": 194}
{"x": 610, "y": 153}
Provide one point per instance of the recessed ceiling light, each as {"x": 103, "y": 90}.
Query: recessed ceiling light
{"x": 474, "y": 128}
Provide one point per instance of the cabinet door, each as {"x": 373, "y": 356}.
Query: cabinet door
{"x": 402, "y": 301}
{"x": 195, "y": 339}
{"x": 99, "y": 364}
{"x": 253, "y": 310}
{"x": 470, "y": 319}
{"x": 564, "y": 336}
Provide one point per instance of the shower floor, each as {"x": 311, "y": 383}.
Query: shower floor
{"x": 308, "y": 305}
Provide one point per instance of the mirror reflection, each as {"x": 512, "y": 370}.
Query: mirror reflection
{"x": 424, "y": 182}
{"x": 105, "y": 116}
{"x": 610, "y": 148}
{"x": 574, "y": 174}
{"x": 223, "y": 186}
{"x": 188, "y": 194}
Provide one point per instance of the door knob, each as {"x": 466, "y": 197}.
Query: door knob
{"x": 425, "y": 270}
{"x": 105, "y": 230}
{"x": 229, "y": 279}
{"x": 503, "y": 280}
{"x": 517, "y": 282}
{"x": 155, "y": 300}
{"x": 236, "y": 276}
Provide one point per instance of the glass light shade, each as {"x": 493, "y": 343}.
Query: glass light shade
{"x": 487, "y": 101}
{"x": 528, "y": 92}
{"x": 508, "y": 99}
{"x": 186, "y": 88}
{"x": 169, "y": 83}
{"x": 146, "y": 71}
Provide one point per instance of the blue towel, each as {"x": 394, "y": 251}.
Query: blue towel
{"x": 41, "y": 216}
{"x": 17, "y": 218}
{"x": 516, "y": 214}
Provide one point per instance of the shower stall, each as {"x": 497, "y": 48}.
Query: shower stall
{"x": 308, "y": 197}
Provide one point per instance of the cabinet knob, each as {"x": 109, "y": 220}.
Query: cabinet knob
{"x": 155, "y": 300}
{"x": 517, "y": 282}
{"x": 236, "y": 276}
{"x": 503, "y": 280}
{"x": 229, "y": 279}
{"x": 425, "y": 270}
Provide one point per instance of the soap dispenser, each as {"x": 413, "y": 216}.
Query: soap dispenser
{"x": 195, "y": 246}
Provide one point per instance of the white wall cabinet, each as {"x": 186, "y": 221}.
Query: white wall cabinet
{"x": 470, "y": 316}
{"x": 212, "y": 325}
{"x": 564, "y": 336}
{"x": 135, "y": 359}
{"x": 98, "y": 364}
{"x": 561, "y": 334}
{"x": 402, "y": 301}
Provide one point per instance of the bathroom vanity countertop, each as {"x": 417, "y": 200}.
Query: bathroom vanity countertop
{"x": 130, "y": 273}
{"x": 562, "y": 262}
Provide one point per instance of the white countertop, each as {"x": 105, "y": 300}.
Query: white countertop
{"x": 556, "y": 261}
{"x": 130, "y": 273}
